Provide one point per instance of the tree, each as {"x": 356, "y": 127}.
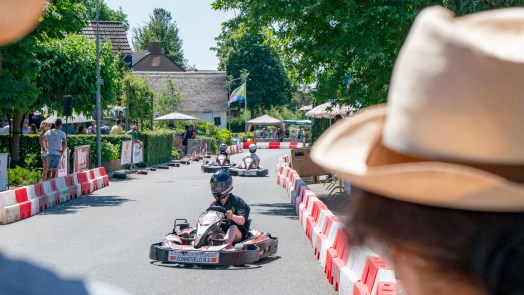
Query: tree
{"x": 168, "y": 99}
{"x": 64, "y": 68}
{"x": 161, "y": 27}
{"x": 267, "y": 84}
{"x": 326, "y": 41}
{"x": 19, "y": 65}
{"x": 140, "y": 101}
{"x": 105, "y": 13}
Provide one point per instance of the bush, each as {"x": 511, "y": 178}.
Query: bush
{"x": 176, "y": 153}
{"x": 19, "y": 176}
{"x": 237, "y": 124}
{"x": 224, "y": 136}
{"x": 158, "y": 146}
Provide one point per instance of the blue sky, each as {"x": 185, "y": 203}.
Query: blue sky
{"x": 198, "y": 25}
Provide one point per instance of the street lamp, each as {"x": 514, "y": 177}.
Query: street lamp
{"x": 98, "y": 98}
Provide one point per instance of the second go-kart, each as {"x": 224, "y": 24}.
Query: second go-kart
{"x": 221, "y": 163}
{"x": 205, "y": 244}
{"x": 249, "y": 168}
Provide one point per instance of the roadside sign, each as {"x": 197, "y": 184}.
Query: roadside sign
{"x": 126, "y": 153}
{"x": 82, "y": 153}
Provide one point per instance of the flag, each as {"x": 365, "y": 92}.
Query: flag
{"x": 238, "y": 94}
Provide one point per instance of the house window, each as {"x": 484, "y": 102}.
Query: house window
{"x": 218, "y": 121}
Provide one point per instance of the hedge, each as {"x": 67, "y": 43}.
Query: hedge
{"x": 154, "y": 141}
{"x": 157, "y": 146}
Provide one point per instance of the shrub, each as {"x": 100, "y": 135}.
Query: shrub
{"x": 158, "y": 146}
{"x": 224, "y": 136}
{"x": 19, "y": 176}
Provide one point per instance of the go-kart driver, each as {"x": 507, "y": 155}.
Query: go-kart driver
{"x": 252, "y": 154}
{"x": 237, "y": 209}
{"x": 222, "y": 150}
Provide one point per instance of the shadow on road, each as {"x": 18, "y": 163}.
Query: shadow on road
{"x": 278, "y": 209}
{"x": 73, "y": 206}
{"x": 256, "y": 265}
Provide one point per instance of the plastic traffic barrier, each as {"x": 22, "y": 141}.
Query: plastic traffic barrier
{"x": 320, "y": 226}
{"x": 303, "y": 207}
{"x": 298, "y": 195}
{"x": 328, "y": 242}
{"x": 62, "y": 188}
{"x": 360, "y": 289}
{"x": 386, "y": 288}
{"x": 53, "y": 197}
{"x": 84, "y": 183}
{"x": 74, "y": 190}
{"x": 24, "y": 202}
{"x": 273, "y": 145}
{"x": 376, "y": 270}
{"x": 308, "y": 210}
{"x": 9, "y": 208}
{"x": 339, "y": 246}
{"x": 92, "y": 180}
{"x": 42, "y": 197}
{"x": 323, "y": 233}
{"x": 35, "y": 204}
{"x": 354, "y": 268}
{"x": 313, "y": 217}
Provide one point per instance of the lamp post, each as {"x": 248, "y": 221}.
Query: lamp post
{"x": 98, "y": 98}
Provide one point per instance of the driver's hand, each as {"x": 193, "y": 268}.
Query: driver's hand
{"x": 229, "y": 214}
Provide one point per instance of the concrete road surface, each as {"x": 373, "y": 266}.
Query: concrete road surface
{"x": 106, "y": 236}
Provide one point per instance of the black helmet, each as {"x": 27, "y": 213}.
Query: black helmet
{"x": 223, "y": 147}
{"x": 221, "y": 184}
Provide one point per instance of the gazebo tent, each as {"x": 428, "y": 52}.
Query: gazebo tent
{"x": 264, "y": 120}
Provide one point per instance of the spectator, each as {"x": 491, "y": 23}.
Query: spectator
{"x": 44, "y": 127}
{"x": 134, "y": 135}
{"x": 33, "y": 129}
{"x": 440, "y": 193}
{"x": 193, "y": 132}
{"x": 117, "y": 129}
{"x": 105, "y": 129}
{"x": 287, "y": 132}
{"x": 56, "y": 144}
{"x": 280, "y": 134}
{"x": 3, "y": 130}
{"x": 92, "y": 129}
{"x": 25, "y": 127}
{"x": 300, "y": 132}
{"x": 82, "y": 129}
{"x": 185, "y": 137}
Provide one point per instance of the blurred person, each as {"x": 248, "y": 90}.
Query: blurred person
{"x": 25, "y": 127}
{"x": 134, "y": 135}
{"x": 82, "y": 129}
{"x": 44, "y": 127}
{"x": 33, "y": 129}
{"x": 193, "y": 132}
{"x": 185, "y": 137}
{"x": 117, "y": 129}
{"x": 438, "y": 172}
{"x": 56, "y": 144}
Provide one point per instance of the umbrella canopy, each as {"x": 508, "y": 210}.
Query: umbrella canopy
{"x": 297, "y": 122}
{"x": 328, "y": 110}
{"x": 175, "y": 116}
{"x": 264, "y": 120}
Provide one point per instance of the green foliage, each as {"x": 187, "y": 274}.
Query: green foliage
{"x": 19, "y": 176}
{"x": 176, "y": 153}
{"x": 284, "y": 113}
{"x": 105, "y": 13}
{"x": 109, "y": 152}
{"x": 140, "y": 96}
{"x": 64, "y": 64}
{"x": 169, "y": 99}
{"x": 470, "y": 6}
{"x": 224, "y": 136}
{"x": 241, "y": 51}
{"x": 158, "y": 146}
{"x": 161, "y": 27}
{"x": 237, "y": 124}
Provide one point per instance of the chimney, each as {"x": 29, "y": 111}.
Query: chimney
{"x": 155, "y": 47}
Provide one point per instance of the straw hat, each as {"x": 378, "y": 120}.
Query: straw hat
{"x": 452, "y": 132}
{"x": 18, "y": 18}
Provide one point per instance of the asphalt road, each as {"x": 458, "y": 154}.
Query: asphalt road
{"x": 106, "y": 236}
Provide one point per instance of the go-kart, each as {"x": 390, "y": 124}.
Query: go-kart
{"x": 248, "y": 168}
{"x": 205, "y": 244}
{"x": 221, "y": 163}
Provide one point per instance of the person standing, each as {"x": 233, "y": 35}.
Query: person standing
{"x": 56, "y": 145}
{"x": 134, "y": 135}
{"x": 44, "y": 126}
{"x": 185, "y": 137}
{"x": 193, "y": 132}
{"x": 117, "y": 129}
{"x": 25, "y": 127}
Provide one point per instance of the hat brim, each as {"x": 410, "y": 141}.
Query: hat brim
{"x": 19, "y": 18}
{"x": 354, "y": 150}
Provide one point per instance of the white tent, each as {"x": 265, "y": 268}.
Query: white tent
{"x": 329, "y": 110}
{"x": 264, "y": 120}
{"x": 71, "y": 119}
{"x": 175, "y": 116}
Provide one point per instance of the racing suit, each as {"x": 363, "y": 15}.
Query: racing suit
{"x": 254, "y": 156}
{"x": 225, "y": 154}
{"x": 239, "y": 207}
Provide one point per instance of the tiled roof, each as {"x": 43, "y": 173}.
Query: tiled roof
{"x": 138, "y": 56}
{"x": 114, "y": 31}
{"x": 156, "y": 63}
{"x": 202, "y": 90}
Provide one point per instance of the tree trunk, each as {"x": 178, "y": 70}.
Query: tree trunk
{"x": 15, "y": 138}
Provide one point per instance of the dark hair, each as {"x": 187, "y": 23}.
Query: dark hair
{"x": 33, "y": 128}
{"x": 186, "y": 126}
{"x": 81, "y": 129}
{"x": 58, "y": 122}
{"x": 338, "y": 116}
{"x": 474, "y": 246}
{"x": 118, "y": 121}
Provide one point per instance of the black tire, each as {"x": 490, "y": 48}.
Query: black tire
{"x": 233, "y": 172}
{"x": 262, "y": 172}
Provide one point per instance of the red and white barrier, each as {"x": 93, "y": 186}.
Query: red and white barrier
{"x": 29, "y": 200}
{"x": 274, "y": 145}
{"x": 351, "y": 270}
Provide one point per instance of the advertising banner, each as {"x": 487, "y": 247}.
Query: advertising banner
{"x": 63, "y": 169}
{"x": 4, "y": 158}
{"x": 138, "y": 153}
{"x": 82, "y": 158}
{"x": 126, "y": 153}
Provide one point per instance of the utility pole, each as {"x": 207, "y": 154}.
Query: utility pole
{"x": 98, "y": 97}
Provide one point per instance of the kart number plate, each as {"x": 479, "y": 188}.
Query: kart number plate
{"x": 194, "y": 257}
{"x": 248, "y": 173}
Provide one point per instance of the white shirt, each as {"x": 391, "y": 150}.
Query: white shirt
{"x": 54, "y": 141}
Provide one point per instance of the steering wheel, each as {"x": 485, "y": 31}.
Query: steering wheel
{"x": 217, "y": 208}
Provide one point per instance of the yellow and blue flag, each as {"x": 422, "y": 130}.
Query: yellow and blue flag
{"x": 238, "y": 94}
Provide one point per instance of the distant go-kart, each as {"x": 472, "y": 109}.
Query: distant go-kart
{"x": 220, "y": 164}
{"x": 205, "y": 244}
{"x": 249, "y": 168}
